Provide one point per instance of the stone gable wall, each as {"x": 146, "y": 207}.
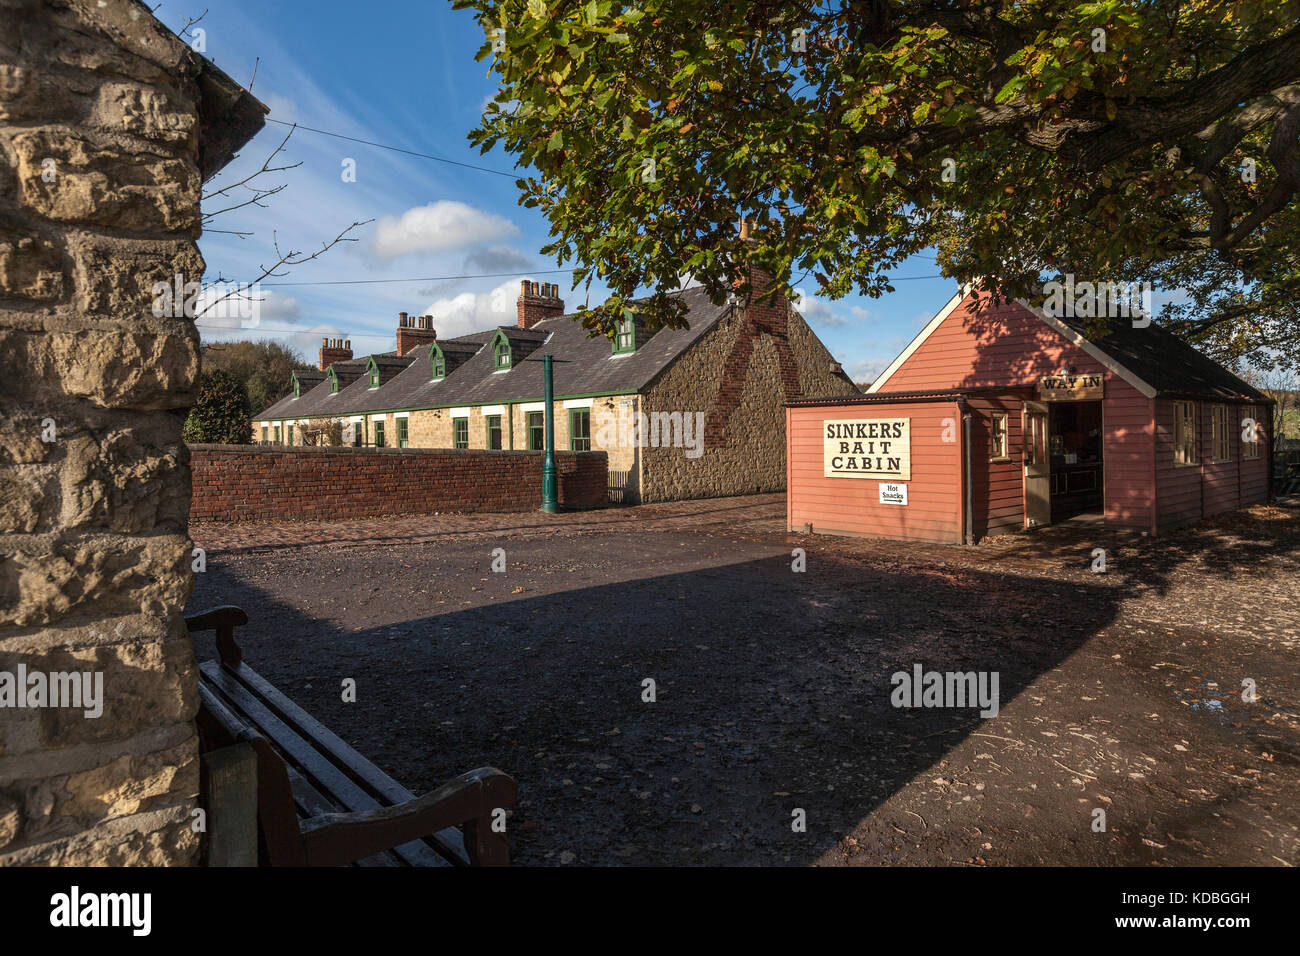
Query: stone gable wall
{"x": 739, "y": 375}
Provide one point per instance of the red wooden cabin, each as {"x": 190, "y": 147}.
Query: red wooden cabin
{"x": 1018, "y": 419}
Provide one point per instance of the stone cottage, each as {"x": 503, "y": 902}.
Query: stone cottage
{"x": 109, "y": 123}
{"x": 682, "y": 413}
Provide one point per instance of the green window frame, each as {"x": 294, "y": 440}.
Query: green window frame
{"x": 277, "y": 434}
{"x": 501, "y": 350}
{"x": 297, "y": 391}
{"x": 403, "y": 433}
{"x": 265, "y": 430}
{"x": 580, "y": 429}
{"x": 438, "y": 361}
{"x": 625, "y": 337}
{"x": 536, "y": 431}
{"x": 290, "y": 434}
{"x": 379, "y": 433}
{"x": 494, "y": 432}
{"x": 334, "y": 381}
{"x": 460, "y": 433}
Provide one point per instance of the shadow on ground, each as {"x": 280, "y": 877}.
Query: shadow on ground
{"x": 772, "y": 686}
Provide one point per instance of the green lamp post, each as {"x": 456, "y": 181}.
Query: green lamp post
{"x": 550, "y": 481}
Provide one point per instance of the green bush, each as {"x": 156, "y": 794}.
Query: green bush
{"x": 221, "y": 413}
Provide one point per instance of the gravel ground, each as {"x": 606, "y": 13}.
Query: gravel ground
{"x": 1119, "y": 692}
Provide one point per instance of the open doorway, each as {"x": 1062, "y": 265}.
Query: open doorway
{"x": 1075, "y": 454}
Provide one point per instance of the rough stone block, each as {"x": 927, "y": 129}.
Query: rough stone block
{"x": 105, "y": 185}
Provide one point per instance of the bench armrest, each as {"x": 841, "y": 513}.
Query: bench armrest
{"x": 467, "y": 802}
{"x": 223, "y": 620}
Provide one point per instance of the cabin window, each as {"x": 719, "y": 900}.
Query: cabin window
{"x": 379, "y": 433}
{"x": 460, "y": 433}
{"x": 403, "y": 433}
{"x": 580, "y": 429}
{"x": 1184, "y": 433}
{"x": 1250, "y": 433}
{"x": 536, "y": 431}
{"x": 1222, "y": 433}
{"x": 998, "y": 442}
{"x": 494, "y": 432}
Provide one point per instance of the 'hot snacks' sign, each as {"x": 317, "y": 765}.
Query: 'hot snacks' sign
{"x": 871, "y": 448}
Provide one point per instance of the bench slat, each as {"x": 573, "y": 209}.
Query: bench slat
{"x": 311, "y": 803}
{"x": 306, "y": 758}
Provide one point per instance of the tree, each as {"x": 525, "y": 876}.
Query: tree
{"x": 1106, "y": 138}
{"x": 264, "y": 368}
{"x": 220, "y": 413}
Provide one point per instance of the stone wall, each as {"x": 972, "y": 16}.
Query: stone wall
{"x": 101, "y": 150}
{"x": 239, "y": 482}
{"x": 739, "y": 375}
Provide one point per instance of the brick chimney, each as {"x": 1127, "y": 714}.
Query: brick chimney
{"x": 414, "y": 330}
{"x": 537, "y": 303}
{"x": 760, "y": 280}
{"x": 334, "y": 350}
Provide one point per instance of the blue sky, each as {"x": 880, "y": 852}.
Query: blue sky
{"x": 405, "y": 76}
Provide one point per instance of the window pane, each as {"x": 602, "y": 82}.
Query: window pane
{"x": 536, "y": 431}
{"x": 580, "y": 429}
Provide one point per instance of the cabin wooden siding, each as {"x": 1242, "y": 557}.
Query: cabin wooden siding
{"x": 1007, "y": 346}
{"x": 851, "y": 506}
{"x": 998, "y": 487}
{"x": 1187, "y": 493}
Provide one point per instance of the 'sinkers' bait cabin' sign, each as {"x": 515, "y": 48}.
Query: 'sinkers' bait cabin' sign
{"x": 868, "y": 448}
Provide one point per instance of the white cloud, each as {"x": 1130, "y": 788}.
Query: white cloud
{"x": 439, "y": 226}
{"x": 867, "y": 370}
{"x": 818, "y": 311}
{"x": 474, "y": 312}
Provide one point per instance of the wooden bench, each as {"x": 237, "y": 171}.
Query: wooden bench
{"x": 319, "y": 802}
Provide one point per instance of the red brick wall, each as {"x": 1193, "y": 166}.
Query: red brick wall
{"x": 242, "y": 482}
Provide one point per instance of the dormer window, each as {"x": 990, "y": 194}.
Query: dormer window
{"x": 438, "y": 361}
{"x": 624, "y": 337}
{"x": 373, "y": 371}
{"x": 501, "y": 350}
{"x": 334, "y": 381}
{"x": 297, "y": 388}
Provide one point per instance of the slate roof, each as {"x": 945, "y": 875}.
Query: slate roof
{"x": 583, "y": 366}
{"x": 1166, "y": 362}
